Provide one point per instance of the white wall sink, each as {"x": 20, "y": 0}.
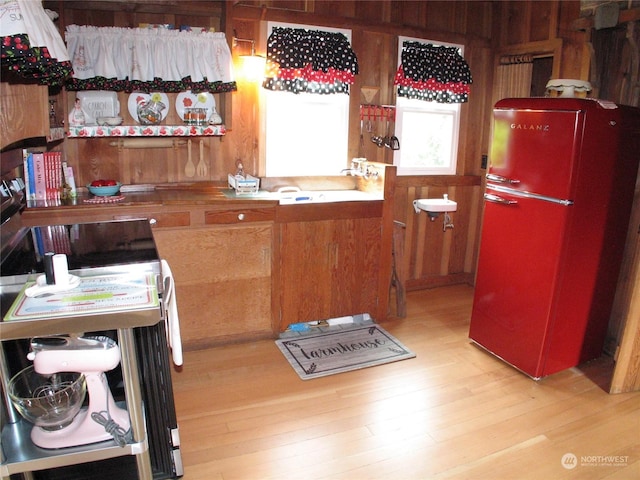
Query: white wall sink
{"x": 435, "y": 205}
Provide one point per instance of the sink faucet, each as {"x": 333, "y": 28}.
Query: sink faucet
{"x": 361, "y": 168}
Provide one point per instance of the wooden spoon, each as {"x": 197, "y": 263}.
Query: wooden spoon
{"x": 190, "y": 168}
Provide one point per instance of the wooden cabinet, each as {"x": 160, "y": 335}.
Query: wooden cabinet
{"x": 328, "y": 269}
{"x": 23, "y": 112}
{"x": 245, "y": 270}
{"x": 222, "y": 272}
{"x": 159, "y": 217}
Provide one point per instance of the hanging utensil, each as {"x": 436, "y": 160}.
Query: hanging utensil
{"x": 190, "y": 168}
{"x": 361, "y": 148}
{"x": 387, "y": 138}
{"x": 394, "y": 143}
{"x": 369, "y": 124}
{"x": 201, "y": 168}
{"x": 377, "y": 139}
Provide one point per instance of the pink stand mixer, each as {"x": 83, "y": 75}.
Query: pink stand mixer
{"x": 92, "y": 356}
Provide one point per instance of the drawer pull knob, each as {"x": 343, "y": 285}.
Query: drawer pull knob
{"x": 241, "y": 216}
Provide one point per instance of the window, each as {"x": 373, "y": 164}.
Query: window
{"x": 427, "y": 131}
{"x": 306, "y": 134}
{"x": 428, "y": 135}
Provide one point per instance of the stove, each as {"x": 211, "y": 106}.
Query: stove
{"x": 101, "y": 248}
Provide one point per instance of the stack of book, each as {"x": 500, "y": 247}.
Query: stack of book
{"x": 47, "y": 177}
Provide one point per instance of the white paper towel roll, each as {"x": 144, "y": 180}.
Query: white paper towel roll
{"x": 60, "y": 269}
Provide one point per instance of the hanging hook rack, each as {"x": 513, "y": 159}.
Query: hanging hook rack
{"x": 374, "y": 113}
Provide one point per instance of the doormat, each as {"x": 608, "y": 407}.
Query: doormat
{"x": 332, "y": 352}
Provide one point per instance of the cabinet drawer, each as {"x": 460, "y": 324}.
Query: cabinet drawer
{"x": 226, "y": 217}
{"x": 159, "y": 220}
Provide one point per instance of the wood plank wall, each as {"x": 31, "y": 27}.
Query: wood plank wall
{"x": 432, "y": 257}
{"x": 428, "y": 256}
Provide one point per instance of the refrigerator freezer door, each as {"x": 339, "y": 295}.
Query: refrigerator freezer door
{"x": 517, "y": 270}
{"x": 535, "y": 150}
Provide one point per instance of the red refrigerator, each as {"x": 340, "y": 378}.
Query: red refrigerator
{"x": 558, "y": 199}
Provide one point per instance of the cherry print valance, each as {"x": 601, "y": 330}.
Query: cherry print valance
{"x": 148, "y": 59}
{"x": 31, "y": 44}
{"x": 312, "y": 61}
{"x": 433, "y": 73}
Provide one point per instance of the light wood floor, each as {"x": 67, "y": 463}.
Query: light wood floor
{"x": 452, "y": 412}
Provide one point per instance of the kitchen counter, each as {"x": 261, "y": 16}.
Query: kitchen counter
{"x": 172, "y": 203}
{"x": 200, "y": 194}
{"x": 206, "y": 193}
{"x": 253, "y": 247}
{"x": 185, "y": 207}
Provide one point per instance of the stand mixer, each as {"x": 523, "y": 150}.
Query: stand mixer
{"x": 92, "y": 356}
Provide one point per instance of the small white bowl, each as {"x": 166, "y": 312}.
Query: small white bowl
{"x": 110, "y": 121}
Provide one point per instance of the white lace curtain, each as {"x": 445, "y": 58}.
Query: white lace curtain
{"x": 142, "y": 55}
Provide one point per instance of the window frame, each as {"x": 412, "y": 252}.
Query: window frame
{"x": 319, "y": 168}
{"x": 412, "y": 106}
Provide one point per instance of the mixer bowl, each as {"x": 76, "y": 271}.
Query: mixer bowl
{"x": 47, "y": 401}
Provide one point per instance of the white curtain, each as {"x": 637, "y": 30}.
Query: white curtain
{"x": 41, "y": 30}
{"x": 513, "y": 76}
{"x": 31, "y": 45}
{"x": 141, "y": 54}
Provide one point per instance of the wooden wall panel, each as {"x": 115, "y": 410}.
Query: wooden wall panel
{"x": 411, "y": 13}
{"x": 482, "y": 26}
{"x": 336, "y": 8}
{"x": 374, "y": 12}
{"x": 441, "y": 15}
{"x": 377, "y": 60}
{"x": 544, "y": 21}
{"x": 515, "y": 19}
{"x": 482, "y": 14}
{"x": 430, "y": 256}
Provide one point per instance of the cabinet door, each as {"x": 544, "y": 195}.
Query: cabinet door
{"x": 328, "y": 269}
{"x": 23, "y": 112}
{"x": 354, "y": 284}
{"x": 307, "y": 251}
{"x": 223, "y": 281}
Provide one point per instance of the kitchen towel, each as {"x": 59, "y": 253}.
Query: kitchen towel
{"x": 171, "y": 318}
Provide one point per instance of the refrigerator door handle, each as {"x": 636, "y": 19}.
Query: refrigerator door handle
{"x": 499, "y": 179}
{"x": 524, "y": 194}
{"x": 490, "y": 197}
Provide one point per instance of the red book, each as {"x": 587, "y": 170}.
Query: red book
{"x": 48, "y": 174}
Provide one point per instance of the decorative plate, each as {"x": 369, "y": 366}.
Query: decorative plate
{"x": 195, "y": 100}
{"x": 137, "y": 97}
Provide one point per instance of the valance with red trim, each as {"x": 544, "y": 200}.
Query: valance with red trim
{"x": 433, "y": 73}
{"x": 149, "y": 59}
{"x": 312, "y": 61}
{"x": 31, "y": 45}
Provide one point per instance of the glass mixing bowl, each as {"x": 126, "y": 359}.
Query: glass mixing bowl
{"x": 48, "y": 401}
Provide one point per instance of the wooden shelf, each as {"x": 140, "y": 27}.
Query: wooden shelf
{"x": 96, "y": 131}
